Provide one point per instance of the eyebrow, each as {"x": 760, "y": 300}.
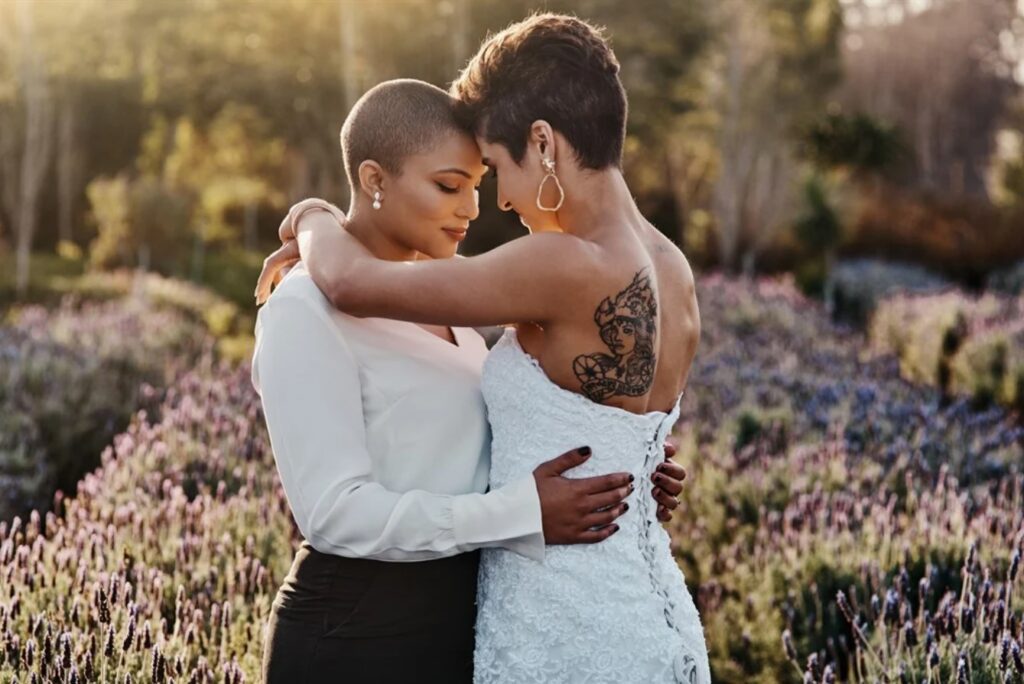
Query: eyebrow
{"x": 458, "y": 171}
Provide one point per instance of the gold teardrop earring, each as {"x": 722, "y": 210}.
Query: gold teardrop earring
{"x": 549, "y": 165}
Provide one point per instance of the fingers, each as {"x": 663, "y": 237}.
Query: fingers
{"x": 286, "y": 231}
{"x": 665, "y": 499}
{"x": 602, "y": 518}
{"x": 284, "y": 271}
{"x": 672, "y": 470}
{"x": 560, "y": 464}
{"x": 603, "y": 483}
{"x": 607, "y": 498}
{"x": 671, "y": 485}
{"x": 664, "y": 515}
{"x": 285, "y": 254}
{"x": 598, "y": 535}
{"x": 670, "y": 450}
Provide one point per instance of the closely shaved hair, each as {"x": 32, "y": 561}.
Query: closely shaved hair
{"x": 394, "y": 120}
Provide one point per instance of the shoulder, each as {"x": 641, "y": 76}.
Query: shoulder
{"x": 298, "y": 285}
{"x": 673, "y": 267}
{"x": 299, "y": 290}
{"x": 568, "y": 251}
{"x": 298, "y": 304}
{"x": 558, "y": 259}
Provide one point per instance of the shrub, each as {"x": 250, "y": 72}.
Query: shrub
{"x": 963, "y": 344}
{"x": 861, "y": 283}
{"x": 1009, "y": 280}
{"x": 69, "y": 380}
{"x": 164, "y": 565}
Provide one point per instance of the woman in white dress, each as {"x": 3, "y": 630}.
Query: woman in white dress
{"x": 606, "y": 328}
{"x": 380, "y": 434}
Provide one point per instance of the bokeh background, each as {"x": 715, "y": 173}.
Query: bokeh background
{"x": 846, "y": 176}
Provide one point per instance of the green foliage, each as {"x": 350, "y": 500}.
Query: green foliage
{"x": 857, "y": 142}
{"x": 230, "y": 324}
{"x": 965, "y": 345}
{"x": 44, "y": 270}
{"x": 818, "y": 226}
{"x": 232, "y": 274}
{"x": 111, "y": 212}
{"x": 139, "y": 222}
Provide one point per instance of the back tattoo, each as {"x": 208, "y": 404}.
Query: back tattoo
{"x": 629, "y": 328}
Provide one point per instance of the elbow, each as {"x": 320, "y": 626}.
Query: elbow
{"x": 343, "y": 294}
{"x": 327, "y": 531}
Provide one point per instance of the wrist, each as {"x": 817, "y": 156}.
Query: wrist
{"x": 298, "y": 210}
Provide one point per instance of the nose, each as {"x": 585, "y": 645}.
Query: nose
{"x": 503, "y": 204}
{"x": 469, "y": 209}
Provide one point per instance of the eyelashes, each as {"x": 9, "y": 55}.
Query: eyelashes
{"x": 451, "y": 191}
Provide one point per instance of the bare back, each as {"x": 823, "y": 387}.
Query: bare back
{"x": 628, "y": 337}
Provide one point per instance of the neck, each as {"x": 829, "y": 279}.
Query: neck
{"x": 364, "y": 224}
{"x": 598, "y": 201}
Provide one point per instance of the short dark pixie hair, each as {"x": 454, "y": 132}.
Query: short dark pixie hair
{"x": 553, "y": 67}
{"x": 393, "y": 120}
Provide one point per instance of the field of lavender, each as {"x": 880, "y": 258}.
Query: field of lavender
{"x": 873, "y": 525}
{"x": 839, "y": 522}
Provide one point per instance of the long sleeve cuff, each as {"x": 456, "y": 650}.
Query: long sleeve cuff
{"x": 509, "y": 517}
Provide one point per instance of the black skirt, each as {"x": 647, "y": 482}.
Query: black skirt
{"x": 355, "y": 620}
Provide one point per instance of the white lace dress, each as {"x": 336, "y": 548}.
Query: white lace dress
{"x": 616, "y": 611}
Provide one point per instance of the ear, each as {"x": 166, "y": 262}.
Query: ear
{"x": 371, "y": 177}
{"x": 542, "y": 138}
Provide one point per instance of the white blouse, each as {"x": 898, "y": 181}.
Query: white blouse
{"x": 380, "y": 434}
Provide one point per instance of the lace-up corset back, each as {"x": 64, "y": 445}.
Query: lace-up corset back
{"x": 614, "y": 611}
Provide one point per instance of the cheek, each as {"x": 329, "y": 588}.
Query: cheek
{"x": 425, "y": 205}
{"x": 518, "y": 189}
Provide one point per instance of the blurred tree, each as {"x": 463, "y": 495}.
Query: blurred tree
{"x": 1006, "y": 172}
{"x": 819, "y": 229}
{"x": 857, "y": 143}
{"x": 843, "y": 149}
{"x": 944, "y": 75}
{"x": 719, "y": 96}
{"x": 775, "y": 63}
{"x": 27, "y": 137}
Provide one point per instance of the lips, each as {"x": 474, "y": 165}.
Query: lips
{"x": 457, "y": 234}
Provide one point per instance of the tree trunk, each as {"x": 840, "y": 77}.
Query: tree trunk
{"x": 350, "y": 67}
{"x": 38, "y": 143}
{"x": 728, "y": 196}
{"x": 67, "y": 166}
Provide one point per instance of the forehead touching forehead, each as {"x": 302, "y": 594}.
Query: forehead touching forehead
{"x": 455, "y": 151}
{"x": 396, "y": 120}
